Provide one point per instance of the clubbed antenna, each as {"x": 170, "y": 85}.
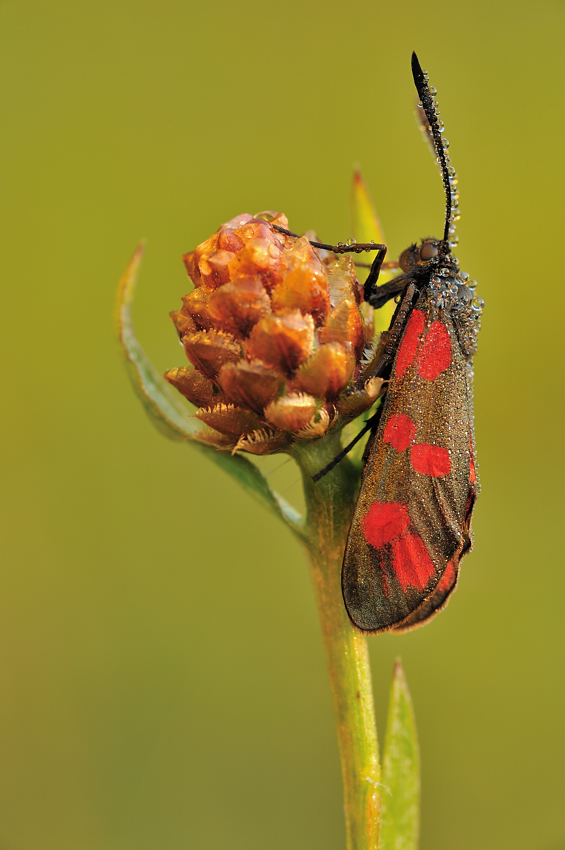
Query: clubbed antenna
{"x": 433, "y": 127}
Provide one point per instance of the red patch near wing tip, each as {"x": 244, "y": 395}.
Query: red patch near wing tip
{"x": 448, "y": 577}
{"x": 399, "y": 432}
{"x": 389, "y": 523}
{"x": 472, "y": 470}
{"x": 412, "y": 564}
{"x": 430, "y": 460}
{"x": 410, "y": 342}
{"x": 436, "y": 353}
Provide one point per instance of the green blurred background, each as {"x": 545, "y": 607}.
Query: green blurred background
{"x": 162, "y": 675}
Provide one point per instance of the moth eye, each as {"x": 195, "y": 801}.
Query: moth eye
{"x": 408, "y": 258}
{"x": 428, "y": 250}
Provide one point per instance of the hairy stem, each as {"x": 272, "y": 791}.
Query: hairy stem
{"x": 329, "y": 508}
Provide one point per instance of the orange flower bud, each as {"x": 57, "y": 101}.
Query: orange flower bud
{"x": 345, "y": 326}
{"x": 250, "y": 385}
{"x": 275, "y": 333}
{"x": 273, "y": 217}
{"x": 228, "y": 240}
{"x": 237, "y": 222}
{"x": 209, "y": 350}
{"x": 260, "y": 257}
{"x": 342, "y": 280}
{"x": 191, "y": 263}
{"x": 291, "y": 412}
{"x": 194, "y": 386}
{"x": 193, "y": 260}
{"x": 256, "y": 228}
{"x": 263, "y": 442}
{"x": 215, "y": 269}
{"x": 327, "y": 372}
{"x": 236, "y": 307}
{"x": 282, "y": 342}
{"x": 305, "y": 282}
{"x": 183, "y": 321}
{"x": 197, "y": 305}
{"x": 229, "y": 420}
{"x": 317, "y": 426}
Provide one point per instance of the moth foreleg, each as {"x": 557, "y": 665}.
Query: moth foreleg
{"x": 377, "y": 296}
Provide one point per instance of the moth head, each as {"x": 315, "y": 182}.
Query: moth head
{"x": 420, "y": 256}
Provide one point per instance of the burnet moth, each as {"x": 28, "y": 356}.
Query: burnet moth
{"x": 412, "y": 520}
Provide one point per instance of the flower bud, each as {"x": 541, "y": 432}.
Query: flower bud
{"x": 291, "y": 412}
{"x": 327, "y": 371}
{"x": 250, "y": 385}
{"x": 194, "y": 386}
{"x": 276, "y": 330}
{"x": 282, "y": 342}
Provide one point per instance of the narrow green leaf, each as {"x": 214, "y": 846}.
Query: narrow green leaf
{"x": 366, "y": 227}
{"x": 169, "y": 413}
{"x": 364, "y": 219}
{"x": 161, "y": 402}
{"x": 400, "y": 812}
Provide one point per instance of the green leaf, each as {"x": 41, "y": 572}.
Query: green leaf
{"x": 365, "y": 222}
{"x": 366, "y": 226}
{"x": 170, "y": 415}
{"x": 161, "y": 402}
{"x": 400, "y": 812}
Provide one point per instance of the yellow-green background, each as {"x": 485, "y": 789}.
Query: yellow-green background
{"x": 162, "y": 675}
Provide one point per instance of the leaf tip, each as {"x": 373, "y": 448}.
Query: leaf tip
{"x": 126, "y": 288}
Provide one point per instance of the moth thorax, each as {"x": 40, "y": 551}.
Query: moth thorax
{"x": 455, "y": 293}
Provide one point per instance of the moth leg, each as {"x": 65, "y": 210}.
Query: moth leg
{"x": 345, "y": 248}
{"x": 339, "y": 457}
{"x": 374, "y": 425}
{"x": 370, "y": 285}
{"x": 377, "y": 296}
{"x": 397, "y": 326}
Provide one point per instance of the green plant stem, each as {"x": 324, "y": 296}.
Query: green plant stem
{"x": 329, "y": 505}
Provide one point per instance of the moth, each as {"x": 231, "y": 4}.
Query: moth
{"x": 412, "y": 522}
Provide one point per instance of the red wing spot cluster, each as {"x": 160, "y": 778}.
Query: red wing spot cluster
{"x": 387, "y": 524}
{"x": 400, "y": 432}
{"x": 433, "y": 354}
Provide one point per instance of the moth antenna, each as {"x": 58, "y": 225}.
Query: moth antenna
{"x": 433, "y": 128}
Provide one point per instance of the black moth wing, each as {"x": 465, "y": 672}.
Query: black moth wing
{"x": 410, "y": 528}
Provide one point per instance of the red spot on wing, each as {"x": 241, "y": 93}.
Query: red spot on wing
{"x": 412, "y": 564}
{"x": 388, "y": 523}
{"x": 384, "y": 522}
{"x": 430, "y": 460}
{"x": 410, "y": 342}
{"x": 399, "y": 432}
{"x": 436, "y": 352}
{"x": 448, "y": 577}
{"x": 472, "y": 470}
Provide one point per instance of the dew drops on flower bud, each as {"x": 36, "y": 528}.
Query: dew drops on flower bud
{"x": 279, "y": 340}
